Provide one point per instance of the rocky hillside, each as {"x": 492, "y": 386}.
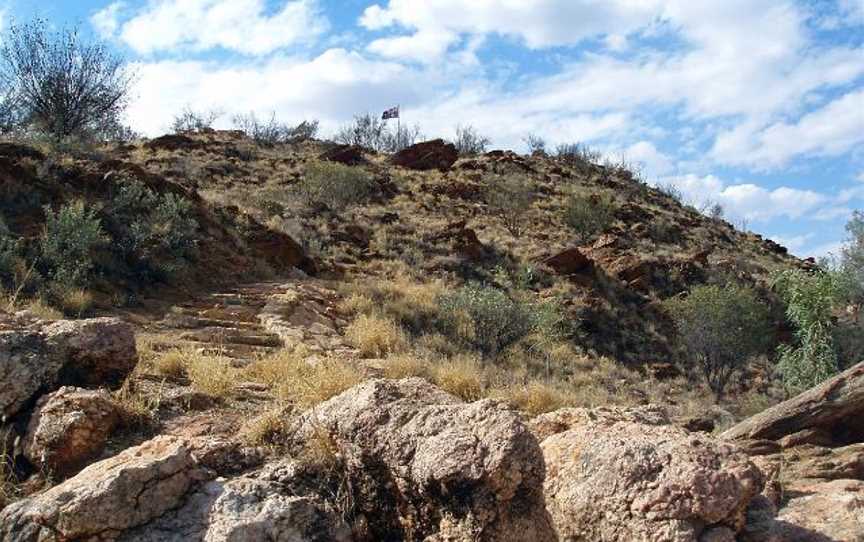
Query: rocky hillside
{"x": 206, "y": 338}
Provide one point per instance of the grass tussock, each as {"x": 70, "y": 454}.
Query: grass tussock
{"x": 302, "y": 382}
{"x": 75, "y": 302}
{"x": 376, "y": 335}
{"x": 267, "y": 429}
{"x": 462, "y": 376}
{"x": 210, "y": 374}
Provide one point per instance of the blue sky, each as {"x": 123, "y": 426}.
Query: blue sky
{"x": 755, "y": 104}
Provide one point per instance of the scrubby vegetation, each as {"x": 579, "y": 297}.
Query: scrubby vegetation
{"x": 589, "y": 215}
{"x": 335, "y": 185}
{"x": 469, "y": 141}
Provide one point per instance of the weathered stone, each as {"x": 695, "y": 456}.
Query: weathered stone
{"x": 569, "y": 262}
{"x": 350, "y": 155}
{"x": 624, "y": 481}
{"x": 99, "y": 351}
{"x": 68, "y": 428}
{"x": 108, "y": 497}
{"x": 28, "y": 363}
{"x": 558, "y": 421}
{"x": 423, "y": 464}
{"x": 435, "y": 154}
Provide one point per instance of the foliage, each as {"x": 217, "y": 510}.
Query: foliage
{"x": 852, "y": 257}
{"x": 484, "y": 318}
{"x": 589, "y": 215}
{"x": 469, "y": 141}
{"x": 510, "y": 198}
{"x": 577, "y": 154}
{"x": 70, "y": 236}
{"x": 9, "y": 250}
{"x": 720, "y": 328}
{"x": 272, "y": 132}
{"x": 535, "y": 143}
{"x": 371, "y": 132}
{"x": 335, "y": 185}
{"x": 810, "y": 301}
{"x": 671, "y": 191}
{"x": 59, "y": 83}
{"x": 190, "y": 120}
{"x": 156, "y": 231}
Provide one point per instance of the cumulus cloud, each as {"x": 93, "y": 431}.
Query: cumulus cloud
{"x": 238, "y": 25}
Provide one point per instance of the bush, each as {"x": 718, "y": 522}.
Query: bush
{"x": 577, "y": 154}
{"x": 155, "y": 231}
{"x": 335, "y": 185}
{"x": 852, "y": 257}
{"x": 365, "y": 130}
{"x": 61, "y": 84}
{"x": 469, "y": 141}
{"x": 67, "y": 243}
{"x": 273, "y": 132}
{"x": 720, "y": 329}
{"x": 510, "y": 198}
{"x": 484, "y": 318}
{"x": 589, "y": 215}
{"x": 9, "y": 249}
{"x": 535, "y": 143}
{"x": 810, "y": 302}
{"x": 189, "y": 120}
{"x": 671, "y": 191}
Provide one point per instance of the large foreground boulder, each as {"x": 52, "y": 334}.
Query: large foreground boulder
{"x": 613, "y": 479}
{"x": 425, "y": 466}
{"x": 38, "y": 358}
{"x": 69, "y": 428}
{"x": 435, "y": 154}
{"x": 108, "y": 497}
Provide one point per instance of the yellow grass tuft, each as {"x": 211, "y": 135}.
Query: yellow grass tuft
{"x": 376, "y": 336}
{"x": 461, "y": 376}
{"x": 406, "y": 366}
{"x": 267, "y": 429}
{"x": 75, "y": 302}
{"x": 210, "y": 374}
{"x": 535, "y": 397}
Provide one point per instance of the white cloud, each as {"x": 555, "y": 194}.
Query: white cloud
{"x": 829, "y": 131}
{"x": 794, "y": 242}
{"x": 239, "y": 25}
{"x": 645, "y": 153}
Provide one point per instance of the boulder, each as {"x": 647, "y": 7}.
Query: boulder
{"x": 69, "y": 428}
{"x": 435, "y": 154}
{"x": 626, "y": 481}
{"x": 558, "y": 421}
{"x": 244, "y": 509}
{"x": 98, "y": 351}
{"x": 31, "y": 363}
{"x": 570, "y": 262}
{"x": 108, "y": 497}
{"x": 422, "y": 465}
{"x": 350, "y": 155}
{"x": 173, "y": 142}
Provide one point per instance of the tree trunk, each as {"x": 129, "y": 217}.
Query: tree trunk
{"x": 835, "y": 406}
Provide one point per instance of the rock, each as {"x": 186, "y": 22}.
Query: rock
{"x": 817, "y": 512}
{"x": 99, "y": 351}
{"x": 68, "y": 428}
{"x": 425, "y": 466}
{"x": 14, "y": 150}
{"x": 699, "y": 424}
{"x": 558, "y": 421}
{"x": 350, "y": 155}
{"x": 435, "y": 154}
{"x": 570, "y": 262}
{"x": 28, "y": 360}
{"x": 622, "y": 481}
{"x": 108, "y": 497}
{"x": 244, "y": 509}
{"x": 173, "y": 142}
{"x": 836, "y": 406}
{"x": 464, "y": 239}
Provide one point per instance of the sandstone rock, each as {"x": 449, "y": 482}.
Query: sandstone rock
{"x": 99, "y": 351}
{"x": 552, "y": 423}
{"x": 173, "y": 142}
{"x": 435, "y": 154}
{"x": 350, "y": 155}
{"x": 28, "y": 361}
{"x": 108, "y": 497}
{"x": 68, "y": 428}
{"x": 423, "y": 464}
{"x": 569, "y": 262}
{"x": 244, "y": 509}
{"x": 624, "y": 481}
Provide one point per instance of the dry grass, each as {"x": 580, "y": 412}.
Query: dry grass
{"x": 212, "y": 375}
{"x": 75, "y": 302}
{"x": 461, "y": 376}
{"x": 136, "y": 411}
{"x": 406, "y": 366}
{"x": 535, "y": 397}
{"x": 397, "y": 295}
{"x": 376, "y": 336}
{"x": 303, "y": 383}
{"x": 171, "y": 364}
{"x": 267, "y": 429}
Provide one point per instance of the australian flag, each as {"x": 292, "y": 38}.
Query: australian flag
{"x": 392, "y": 113}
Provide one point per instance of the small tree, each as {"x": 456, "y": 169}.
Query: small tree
{"x": 510, "y": 198}
{"x": 720, "y": 328}
{"x": 71, "y": 234}
{"x": 589, "y": 215}
{"x": 469, "y": 141}
{"x": 60, "y": 83}
{"x": 535, "y": 143}
{"x": 810, "y": 301}
{"x": 272, "y": 132}
{"x": 190, "y": 120}
{"x": 366, "y": 130}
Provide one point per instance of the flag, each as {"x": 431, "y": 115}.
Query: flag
{"x": 392, "y": 113}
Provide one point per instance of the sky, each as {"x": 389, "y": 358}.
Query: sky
{"x": 754, "y": 104}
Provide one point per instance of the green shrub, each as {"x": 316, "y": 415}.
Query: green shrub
{"x": 9, "y": 248}
{"x": 811, "y": 299}
{"x": 510, "y": 199}
{"x": 335, "y": 185}
{"x": 484, "y": 318}
{"x": 720, "y": 328}
{"x": 70, "y": 236}
{"x": 589, "y": 215}
{"x": 852, "y": 260}
{"x": 156, "y": 231}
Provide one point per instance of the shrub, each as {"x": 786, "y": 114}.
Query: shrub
{"x": 720, "y": 329}
{"x": 70, "y": 236}
{"x": 852, "y": 256}
{"x": 484, "y": 318}
{"x": 189, "y": 120}
{"x": 576, "y": 154}
{"x": 9, "y": 250}
{"x": 60, "y": 83}
{"x": 535, "y": 143}
{"x": 468, "y": 141}
{"x": 671, "y": 191}
{"x": 156, "y": 231}
{"x": 366, "y": 130}
{"x": 810, "y": 301}
{"x": 335, "y": 185}
{"x": 510, "y": 198}
{"x": 272, "y": 132}
{"x": 589, "y": 215}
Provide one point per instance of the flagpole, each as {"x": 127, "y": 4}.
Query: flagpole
{"x": 398, "y": 123}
